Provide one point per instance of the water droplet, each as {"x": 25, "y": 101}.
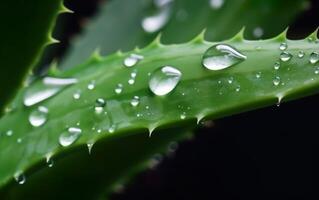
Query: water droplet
{"x": 132, "y": 60}
{"x": 258, "y": 75}
{"x": 163, "y": 80}
{"x": 48, "y": 87}
{"x": 159, "y": 19}
{"x": 277, "y": 65}
{"x": 216, "y": 4}
{"x": 155, "y": 161}
{"x": 314, "y": 57}
{"x": 258, "y": 32}
{"x": 285, "y": 56}
{"x": 237, "y": 88}
{"x": 99, "y": 105}
{"x": 222, "y": 56}
{"x": 9, "y": 133}
{"x": 183, "y": 115}
{"x": 230, "y": 80}
{"x": 39, "y": 116}
{"x": 135, "y": 101}
{"x": 49, "y": 160}
{"x": 77, "y": 95}
{"x": 91, "y": 85}
{"x": 131, "y": 81}
{"x": 112, "y": 129}
{"x": 19, "y": 140}
{"x": 20, "y": 178}
{"x": 70, "y": 136}
{"x": 283, "y": 46}
{"x": 119, "y": 88}
{"x": 276, "y": 81}
{"x": 317, "y": 70}
{"x": 301, "y": 54}
{"x": 90, "y": 144}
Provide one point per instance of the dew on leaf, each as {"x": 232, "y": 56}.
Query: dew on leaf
{"x": 20, "y": 178}
{"x": 314, "y": 57}
{"x": 119, "y": 88}
{"x": 276, "y": 81}
{"x": 39, "y": 116}
{"x": 277, "y": 65}
{"x": 301, "y": 54}
{"x": 163, "y": 80}
{"x": 285, "y": 56}
{"x": 132, "y": 60}
{"x": 135, "y": 101}
{"x": 283, "y": 46}
{"x": 69, "y": 136}
{"x": 216, "y": 4}
{"x": 222, "y": 56}
{"x": 99, "y": 105}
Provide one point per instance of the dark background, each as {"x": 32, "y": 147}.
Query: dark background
{"x": 261, "y": 154}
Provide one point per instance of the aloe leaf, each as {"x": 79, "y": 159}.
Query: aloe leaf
{"x": 119, "y": 27}
{"x": 24, "y": 35}
{"x": 200, "y": 94}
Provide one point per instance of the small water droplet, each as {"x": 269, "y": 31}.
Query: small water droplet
{"x": 301, "y": 54}
{"x": 91, "y": 85}
{"x": 77, "y": 95}
{"x": 70, "y": 136}
{"x": 158, "y": 20}
{"x": 131, "y": 81}
{"x": 277, "y": 65}
{"x": 99, "y": 105}
{"x": 119, "y": 88}
{"x": 222, "y": 56}
{"x": 237, "y": 88}
{"x": 135, "y": 101}
{"x": 258, "y": 75}
{"x": 49, "y": 160}
{"x": 48, "y": 87}
{"x": 314, "y": 57}
{"x": 230, "y": 80}
{"x": 19, "y": 140}
{"x": 163, "y": 80}
{"x": 317, "y": 70}
{"x": 39, "y": 116}
{"x": 20, "y": 178}
{"x": 112, "y": 129}
{"x": 132, "y": 60}
{"x": 89, "y": 145}
{"x": 283, "y": 46}
{"x": 216, "y": 4}
{"x": 9, "y": 133}
{"x": 258, "y": 32}
{"x": 183, "y": 115}
{"x": 285, "y": 56}
{"x": 276, "y": 81}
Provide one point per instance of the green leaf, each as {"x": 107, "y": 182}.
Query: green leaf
{"x": 119, "y": 27}
{"x": 27, "y": 27}
{"x": 119, "y": 131}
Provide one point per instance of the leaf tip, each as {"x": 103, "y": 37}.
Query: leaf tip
{"x": 200, "y": 38}
{"x": 64, "y": 9}
{"x": 239, "y": 37}
{"x": 282, "y": 37}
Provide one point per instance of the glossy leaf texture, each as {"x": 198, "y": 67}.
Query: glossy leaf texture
{"x": 119, "y": 27}
{"x": 26, "y": 30}
{"x": 119, "y": 122}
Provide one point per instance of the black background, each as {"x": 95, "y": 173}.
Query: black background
{"x": 264, "y": 154}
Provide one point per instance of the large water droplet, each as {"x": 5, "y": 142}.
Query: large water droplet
{"x": 285, "y": 56}
{"x": 222, "y": 56}
{"x": 20, "y": 178}
{"x": 314, "y": 57}
{"x": 99, "y": 105}
{"x": 132, "y": 60}
{"x": 70, "y": 136}
{"x": 163, "y": 80}
{"x": 135, "y": 101}
{"x": 216, "y": 4}
{"x": 159, "y": 19}
{"x": 48, "y": 87}
{"x": 39, "y": 116}
{"x": 283, "y": 46}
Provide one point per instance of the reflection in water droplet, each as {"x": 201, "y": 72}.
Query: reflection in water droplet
{"x": 163, "y": 80}
{"x": 39, "y": 116}
{"x": 277, "y": 65}
{"x": 216, "y": 4}
{"x": 70, "y": 136}
{"x": 283, "y": 46}
{"x": 258, "y": 32}
{"x": 135, "y": 101}
{"x": 276, "y": 81}
{"x": 159, "y": 19}
{"x": 20, "y": 178}
{"x": 99, "y": 105}
{"x": 119, "y": 88}
{"x": 48, "y": 87}
{"x": 301, "y": 54}
{"x": 222, "y": 56}
{"x": 285, "y": 56}
{"x": 132, "y": 60}
{"x": 314, "y": 57}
